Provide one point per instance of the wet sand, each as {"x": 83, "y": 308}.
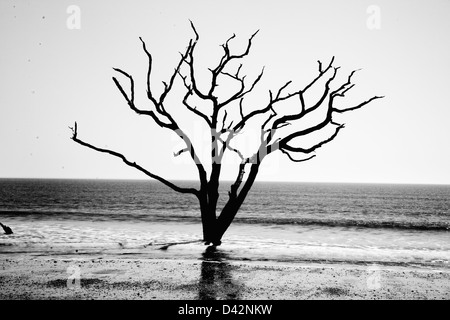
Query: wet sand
{"x": 25, "y": 277}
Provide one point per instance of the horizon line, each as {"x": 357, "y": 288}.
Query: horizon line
{"x": 260, "y": 181}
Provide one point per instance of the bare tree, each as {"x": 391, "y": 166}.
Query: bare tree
{"x": 224, "y": 131}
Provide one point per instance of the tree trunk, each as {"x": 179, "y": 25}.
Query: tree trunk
{"x": 233, "y": 205}
{"x": 208, "y": 220}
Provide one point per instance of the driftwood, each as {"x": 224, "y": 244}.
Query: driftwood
{"x": 224, "y": 127}
{"x": 6, "y": 229}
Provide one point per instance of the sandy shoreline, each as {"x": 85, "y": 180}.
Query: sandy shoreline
{"x": 24, "y": 277}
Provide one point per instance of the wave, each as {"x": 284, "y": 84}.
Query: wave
{"x": 189, "y": 217}
{"x": 432, "y": 226}
{"x": 328, "y": 261}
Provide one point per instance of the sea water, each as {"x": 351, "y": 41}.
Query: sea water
{"x": 279, "y": 222}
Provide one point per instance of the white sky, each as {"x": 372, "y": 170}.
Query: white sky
{"x": 52, "y": 75}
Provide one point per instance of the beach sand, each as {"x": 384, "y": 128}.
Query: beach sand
{"x": 27, "y": 277}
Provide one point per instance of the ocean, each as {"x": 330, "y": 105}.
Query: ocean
{"x": 366, "y": 224}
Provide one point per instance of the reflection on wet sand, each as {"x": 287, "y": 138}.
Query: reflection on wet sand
{"x": 216, "y": 281}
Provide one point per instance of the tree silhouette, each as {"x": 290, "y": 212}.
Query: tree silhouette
{"x": 223, "y": 131}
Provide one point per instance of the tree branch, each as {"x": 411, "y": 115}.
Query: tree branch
{"x": 195, "y": 31}
{"x": 132, "y": 164}
{"x": 159, "y": 104}
{"x": 286, "y": 147}
{"x": 190, "y": 63}
{"x": 236, "y": 184}
{"x": 362, "y": 104}
{"x": 176, "y": 154}
{"x": 225, "y": 59}
{"x": 296, "y": 160}
{"x": 131, "y": 104}
{"x": 283, "y": 144}
{"x": 226, "y": 145}
{"x": 224, "y": 119}
{"x": 346, "y": 86}
{"x": 194, "y": 109}
{"x": 242, "y": 92}
{"x": 273, "y": 115}
{"x": 176, "y": 71}
{"x": 304, "y": 111}
{"x": 149, "y": 70}
{"x": 250, "y": 115}
{"x": 321, "y": 73}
